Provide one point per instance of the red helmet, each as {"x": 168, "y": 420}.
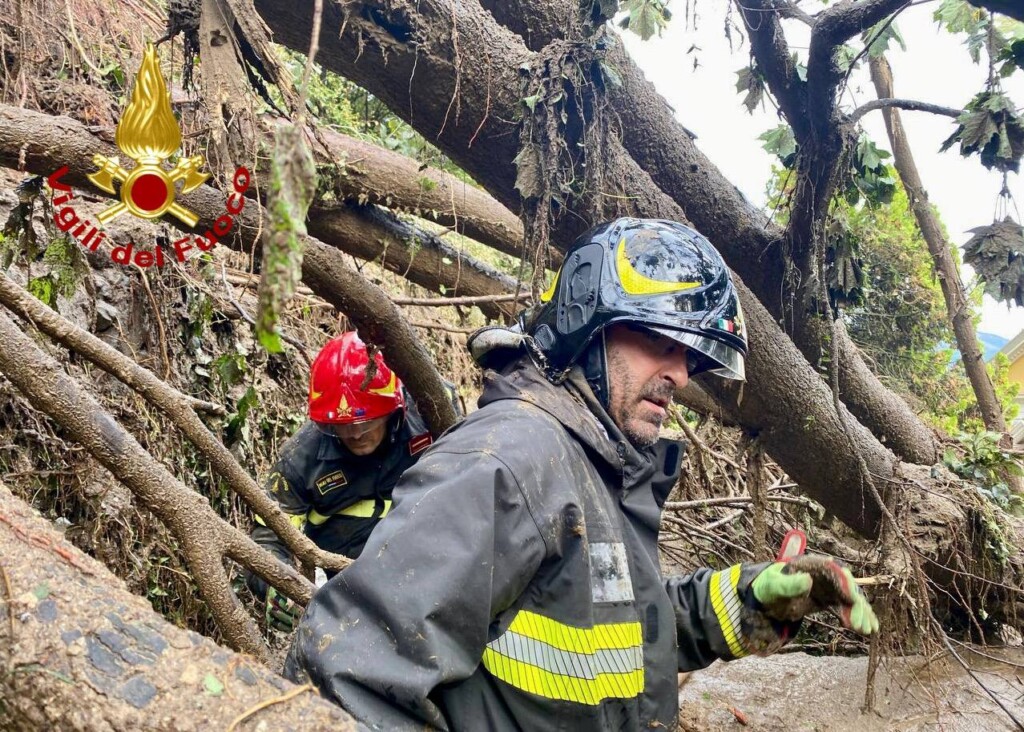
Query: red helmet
{"x": 336, "y": 378}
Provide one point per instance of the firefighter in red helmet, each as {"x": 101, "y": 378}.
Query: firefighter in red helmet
{"x": 334, "y": 476}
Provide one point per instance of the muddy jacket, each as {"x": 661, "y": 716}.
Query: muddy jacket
{"x": 515, "y": 584}
{"x": 336, "y": 497}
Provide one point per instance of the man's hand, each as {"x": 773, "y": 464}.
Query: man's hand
{"x": 788, "y": 591}
{"x": 281, "y": 611}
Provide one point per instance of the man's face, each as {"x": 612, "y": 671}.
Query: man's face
{"x": 362, "y": 438}
{"x": 644, "y": 369}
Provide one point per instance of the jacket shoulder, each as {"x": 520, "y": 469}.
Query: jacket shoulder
{"x": 299, "y": 450}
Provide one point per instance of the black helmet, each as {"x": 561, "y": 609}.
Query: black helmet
{"x": 661, "y": 275}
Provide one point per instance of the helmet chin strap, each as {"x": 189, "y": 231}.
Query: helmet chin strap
{"x": 594, "y": 362}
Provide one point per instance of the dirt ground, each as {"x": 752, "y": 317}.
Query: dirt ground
{"x": 800, "y": 693}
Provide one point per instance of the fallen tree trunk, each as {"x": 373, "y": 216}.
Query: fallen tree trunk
{"x": 43, "y": 144}
{"x": 371, "y": 174}
{"x": 377, "y": 235}
{"x": 78, "y": 652}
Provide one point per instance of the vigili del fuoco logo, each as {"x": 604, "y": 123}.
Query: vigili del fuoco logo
{"x": 148, "y": 134}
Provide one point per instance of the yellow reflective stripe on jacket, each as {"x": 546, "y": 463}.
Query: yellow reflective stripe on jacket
{"x": 359, "y": 509}
{"x": 557, "y": 661}
{"x": 726, "y": 603}
{"x": 296, "y": 520}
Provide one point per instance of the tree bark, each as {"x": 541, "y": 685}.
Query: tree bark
{"x": 957, "y": 305}
{"x": 41, "y": 143}
{"x": 377, "y": 235}
{"x": 371, "y": 174}
{"x": 80, "y": 653}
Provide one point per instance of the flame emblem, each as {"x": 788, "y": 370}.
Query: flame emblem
{"x": 148, "y": 133}
{"x": 343, "y": 408}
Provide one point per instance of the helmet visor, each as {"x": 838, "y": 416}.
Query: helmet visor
{"x": 709, "y": 354}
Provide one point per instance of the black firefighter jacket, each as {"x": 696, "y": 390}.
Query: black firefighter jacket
{"x": 336, "y": 497}
{"x": 515, "y": 584}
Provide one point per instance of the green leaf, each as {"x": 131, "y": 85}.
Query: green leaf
{"x": 958, "y": 16}
{"x": 528, "y": 171}
{"x": 845, "y": 56}
{"x": 611, "y": 77}
{"x": 531, "y": 101}
{"x": 213, "y": 685}
{"x": 42, "y": 289}
{"x": 880, "y": 36}
{"x": 235, "y": 428}
{"x": 780, "y": 141}
{"x": 646, "y": 17}
{"x": 798, "y": 67}
{"x": 749, "y": 80}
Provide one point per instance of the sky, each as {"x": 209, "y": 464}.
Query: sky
{"x": 935, "y": 68}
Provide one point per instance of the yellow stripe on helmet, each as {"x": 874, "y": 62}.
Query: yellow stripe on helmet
{"x": 635, "y": 283}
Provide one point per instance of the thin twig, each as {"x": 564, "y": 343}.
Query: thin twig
{"x": 909, "y": 104}
{"x": 440, "y": 326}
{"x": 269, "y": 703}
{"x": 731, "y": 501}
{"x": 314, "y": 45}
{"x": 467, "y": 300}
{"x": 159, "y": 322}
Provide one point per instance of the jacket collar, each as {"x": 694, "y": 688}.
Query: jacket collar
{"x": 574, "y": 405}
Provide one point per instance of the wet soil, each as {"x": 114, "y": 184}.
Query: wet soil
{"x": 796, "y": 692}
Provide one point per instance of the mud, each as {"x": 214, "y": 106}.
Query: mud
{"x": 797, "y": 692}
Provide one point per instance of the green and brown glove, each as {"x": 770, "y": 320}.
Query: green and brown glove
{"x": 281, "y": 611}
{"x": 786, "y": 592}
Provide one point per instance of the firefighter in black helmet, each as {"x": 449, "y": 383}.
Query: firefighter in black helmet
{"x": 515, "y": 584}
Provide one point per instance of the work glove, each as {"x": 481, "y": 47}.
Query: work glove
{"x": 787, "y": 591}
{"x": 281, "y": 611}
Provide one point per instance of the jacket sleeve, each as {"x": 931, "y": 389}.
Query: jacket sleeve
{"x": 290, "y": 496}
{"x": 708, "y": 607}
{"x": 412, "y": 614}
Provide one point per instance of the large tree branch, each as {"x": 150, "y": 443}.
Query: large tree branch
{"x": 770, "y": 50}
{"x": 831, "y": 29}
{"x": 79, "y": 652}
{"x": 371, "y": 174}
{"x": 957, "y": 304}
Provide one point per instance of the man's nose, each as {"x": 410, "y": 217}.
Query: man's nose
{"x": 677, "y": 372}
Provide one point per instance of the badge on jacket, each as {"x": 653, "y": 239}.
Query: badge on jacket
{"x": 331, "y": 481}
{"x": 419, "y": 443}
